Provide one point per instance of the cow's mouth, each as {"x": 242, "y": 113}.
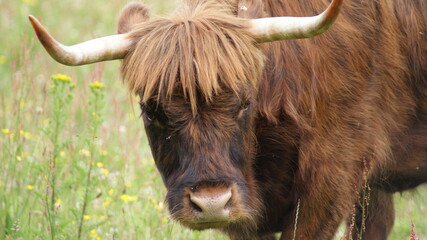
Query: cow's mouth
{"x": 206, "y": 225}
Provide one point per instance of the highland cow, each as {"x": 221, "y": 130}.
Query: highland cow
{"x": 259, "y": 126}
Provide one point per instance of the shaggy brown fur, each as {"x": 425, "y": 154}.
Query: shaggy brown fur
{"x": 354, "y": 93}
{"x": 301, "y": 130}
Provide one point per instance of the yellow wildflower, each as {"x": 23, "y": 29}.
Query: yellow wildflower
{"x": 61, "y": 153}
{"x": 5, "y": 131}
{"x": 86, "y": 217}
{"x": 85, "y": 152}
{"x": 100, "y": 164}
{"x": 106, "y": 202}
{"x": 105, "y": 172}
{"x": 98, "y": 238}
{"x": 2, "y": 59}
{"x": 127, "y": 198}
{"x": 30, "y": 187}
{"x": 164, "y": 220}
{"x": 22, "y": 156}
{"x": 159, "y": 206}
{"x": 92, "y": 233}
{"x": 111, "y": 192}
{"x": 96, "y": 85}
{"x": 124, "y": 197}
{"x": 62, "y": 78}
{"x": 58, "y": 204}
{"x": 27, "y": 135}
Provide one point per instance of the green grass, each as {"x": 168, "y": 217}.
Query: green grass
{"x": 87, "y": 168}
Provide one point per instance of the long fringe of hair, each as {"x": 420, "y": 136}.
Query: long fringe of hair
{"x": 198, "y": 52}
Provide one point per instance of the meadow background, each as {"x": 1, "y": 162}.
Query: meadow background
{"x": 74, "y": 158}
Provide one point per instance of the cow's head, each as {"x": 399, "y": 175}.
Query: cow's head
{"x": 197, "y": 75}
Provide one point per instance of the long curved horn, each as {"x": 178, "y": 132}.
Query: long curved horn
{"x": 287, "y": 28}
{"x": 96, "y": 50}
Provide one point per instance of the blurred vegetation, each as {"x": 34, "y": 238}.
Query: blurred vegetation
{"x": 78, "y": 163}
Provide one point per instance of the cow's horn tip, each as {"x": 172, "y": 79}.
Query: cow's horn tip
{"x": 31, "y": 18}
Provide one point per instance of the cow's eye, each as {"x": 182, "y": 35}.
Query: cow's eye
{"x": 146, "y": 112}
{"x": 155, "y": 117}
{"x": 150, "y": 116}
{"x": 246, "y": 105}
{"x": 244, "y": 109}
{"x": 152, "y": 113}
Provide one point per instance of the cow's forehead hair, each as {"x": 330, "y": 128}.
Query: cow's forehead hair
{"x": 203, "y": 49}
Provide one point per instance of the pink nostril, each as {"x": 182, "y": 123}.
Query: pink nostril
{"x": 212, "y": 204}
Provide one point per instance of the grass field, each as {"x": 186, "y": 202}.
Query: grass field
{"x": 74, "y": 158}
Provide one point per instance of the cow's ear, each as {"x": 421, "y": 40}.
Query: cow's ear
{"x": 132, "y": 13}
{"x": 251, "y": 9}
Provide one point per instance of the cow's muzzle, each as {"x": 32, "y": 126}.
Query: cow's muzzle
{"x": 211, "y": 204}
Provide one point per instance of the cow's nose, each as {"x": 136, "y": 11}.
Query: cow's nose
{"x": 211, "y": 204}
